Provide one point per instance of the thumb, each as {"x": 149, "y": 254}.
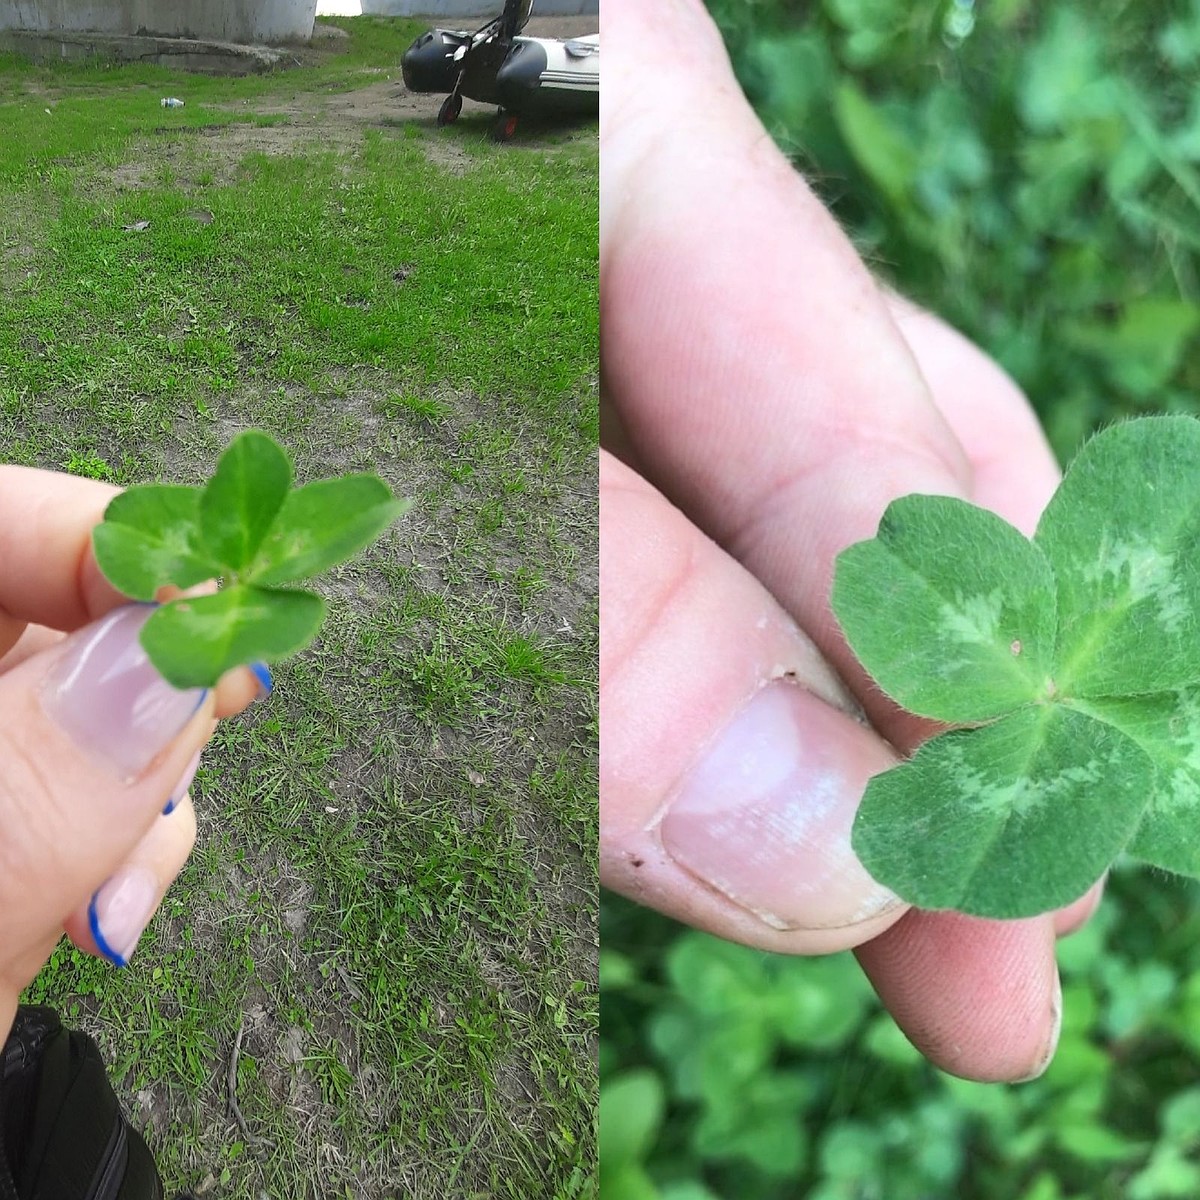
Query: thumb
{"x": 730, "y": 762}
{"x": 92, "y": 742}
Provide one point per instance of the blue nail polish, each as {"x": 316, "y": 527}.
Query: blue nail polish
{"x": 263, "y": 674}
{"x": 98, "y": 936}
{"x": 170, "y": 808}
{"x": 200, "y": 700}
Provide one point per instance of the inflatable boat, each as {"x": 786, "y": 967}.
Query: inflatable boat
{"x": 543, "y": 77}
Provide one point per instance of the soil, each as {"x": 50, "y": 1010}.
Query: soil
{"x": 307, "y": 119}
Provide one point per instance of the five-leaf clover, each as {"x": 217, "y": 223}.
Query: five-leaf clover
{"x": 248, "y": 528}
{"x": 1070, "y": 663}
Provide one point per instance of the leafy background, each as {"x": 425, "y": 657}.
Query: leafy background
{"x": 1033, "y": 174}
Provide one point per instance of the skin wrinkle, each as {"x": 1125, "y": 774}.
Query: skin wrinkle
{"x": 675, "y": 477}
{"x": 21, "y": 853}
{"x": 783, "y": 180}
{"x": 669, "y": 594}
{"x": 773, "y": 504}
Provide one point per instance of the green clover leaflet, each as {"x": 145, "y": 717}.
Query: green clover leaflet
{"x": 250, "y": 531}
{"x": 1073, "y": 663}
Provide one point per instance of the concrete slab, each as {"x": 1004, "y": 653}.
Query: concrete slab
{"x": 189, "y": 54}
{"x": 250, "y": 22}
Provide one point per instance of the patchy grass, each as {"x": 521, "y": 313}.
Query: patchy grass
{"x": 393, "y": 898}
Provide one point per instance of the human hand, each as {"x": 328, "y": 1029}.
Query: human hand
{"x": 93, "y": 743}
{"x": 768, "y": 399}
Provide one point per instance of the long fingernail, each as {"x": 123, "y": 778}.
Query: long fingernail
{"x": 185, "y": 782}
{"x": 765, "y": 817}
{"x": 106, "y": 694}
{"x": 120, "y": 910}
{"x": 1047, "y": 1055}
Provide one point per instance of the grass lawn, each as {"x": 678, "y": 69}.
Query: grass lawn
{"x": 392, "y": 906}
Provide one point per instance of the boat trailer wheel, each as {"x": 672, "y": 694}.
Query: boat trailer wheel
{"x": 504, "y": 127}
{"x": 451, "y": 107}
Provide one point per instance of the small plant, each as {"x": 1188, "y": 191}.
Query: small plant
{"x": 417, "y": 403}
{"x": 248, "y": 528}
{"x": 90, "y": 466}
{"x": 1073, "y": 660}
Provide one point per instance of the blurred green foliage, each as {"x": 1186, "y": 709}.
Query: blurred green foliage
{"x": 1032, "y": 174}
{"x": 729, "y": 1074}
{"x": 1036, "y": 181}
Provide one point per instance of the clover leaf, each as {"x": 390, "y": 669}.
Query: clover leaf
{"x": 1073, "y": 660}
{"x": 248, "y": 530}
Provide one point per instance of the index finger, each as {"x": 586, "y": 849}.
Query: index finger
{"x": 49, "y": 575}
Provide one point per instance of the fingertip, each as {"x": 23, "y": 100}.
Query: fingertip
{"x": 239, "y": 688}
{"x": 109, "y": 923}
{"x": 979, "y": 998}
{"x": 731, "y": 758}
{"x": 1075, "y": 916}
{"x": 103, "y": 949}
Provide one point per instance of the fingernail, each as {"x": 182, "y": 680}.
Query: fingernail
{"x": 263, "y": 674}
{"x": 106, "y": 694}
{"x": 119, "y": 912}
{"x": 182, "y": 786}
{"x": 1047, "y": 1056}
{"x": 765, "y": 816}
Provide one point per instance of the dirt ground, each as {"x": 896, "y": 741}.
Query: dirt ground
{"x": 341, "y": 118}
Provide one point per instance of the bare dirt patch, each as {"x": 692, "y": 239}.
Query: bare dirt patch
{"x": 309, "y": 121}
{"x": 303, "y": 124}
{"x": 388, "y": 102}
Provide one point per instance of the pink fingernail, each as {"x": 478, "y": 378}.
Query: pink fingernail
{"x": 105, "y": 693}
{"x": 765, "y": 816}
{"x": 181, "y": 788}
{"x": 120, "y": 910}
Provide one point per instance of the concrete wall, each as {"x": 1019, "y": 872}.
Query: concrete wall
{"x": 218, "y": 20}
{"x": 439, "y": 9}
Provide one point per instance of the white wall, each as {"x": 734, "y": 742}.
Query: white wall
{"x": 437, "y": 9}
{"x": 219, "y": 20}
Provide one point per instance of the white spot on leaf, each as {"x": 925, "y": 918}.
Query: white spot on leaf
{"x": 972, "y": 619}
{"x": 1021, "y": 794}
{"x": 1147, "y": 573}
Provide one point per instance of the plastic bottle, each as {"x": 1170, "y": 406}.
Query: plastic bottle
{"x": 171, "y": 102}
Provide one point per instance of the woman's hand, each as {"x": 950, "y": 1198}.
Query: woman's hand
{"x": 93, "y": 743}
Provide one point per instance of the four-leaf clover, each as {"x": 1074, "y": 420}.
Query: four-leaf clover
{"x": 250, "y": 530}
{"x": 1071, "y": 664}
